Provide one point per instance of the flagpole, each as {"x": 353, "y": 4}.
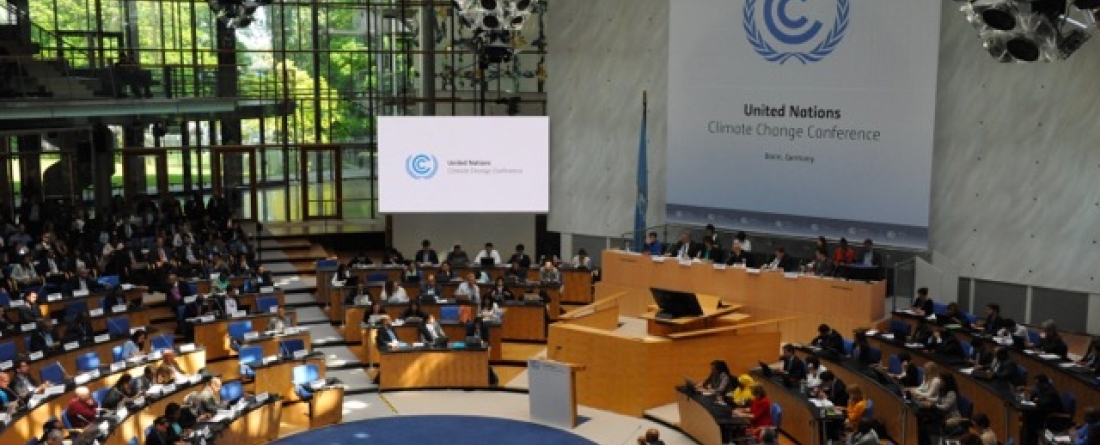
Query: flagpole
{"x": 642, "y": 197}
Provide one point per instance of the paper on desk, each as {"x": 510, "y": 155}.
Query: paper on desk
{"x": 967, "y": 371}
{"x": 1067, "y": 365}
{"x": 1049, "y": 356}
{"x": 872, "y": 332}
{"x": 822, "y": 403}
{"x": 889, "y": 336}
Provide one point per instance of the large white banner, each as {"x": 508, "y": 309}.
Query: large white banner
{"x": 803, "y": 117}
{"x": 463, "y": 164}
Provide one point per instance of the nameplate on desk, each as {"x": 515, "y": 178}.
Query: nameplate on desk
{"x": 53, "y": 297}
{"x": 215, "y": 276}
{"x": 299, "y": 354}
{"x": 27, "y": 327}
{"x": 102, "y": 338}
{"x": 191, "y": 299}
{"x": 317, "y": 384}
{"x": 267, "y": 289}
{"x": 118, "y": 366}
{"x": 140, "y": 401}
{"x": 95, "y": 312}
{"x": 122, "y": 413}
{"x": 719, "y": 266}
{"x": 118, "y": 308}
{"x": 34, "y": 401}
{"x": 37, "y": 355}
{"x": 685, "y": 262}
{"x": 187, "y": 347}
{"x": 155, "y": 355}
{"x": 195, "y": 379}
{"x": 251, "y": 335}
{"x": 54, "y": 390}
{"x": 273, "y": 309}
{"x": 80, "y": 293}
{"x": 5, "y": 365}
{"x": 754, "y": 271}
{"x": 5, "y": 418}
{"x": 262, "y": 397}
{"x": 70, "y": 346}
{"x": 206, "y": 318}
{"x": 658, "y": 259}
{"x": 17, "y": 303}
{"x": 126, "y": 286}
{"x": 81, "y": 379}
{"x": 270, "y": 359}
{"x": 239, "y": 314}
{"x": 169, "y": 388}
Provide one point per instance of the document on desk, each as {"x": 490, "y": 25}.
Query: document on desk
{"x": 822, "y": 403}
{"x": 967, "y": 371}
{"x": 1049, "y": 356}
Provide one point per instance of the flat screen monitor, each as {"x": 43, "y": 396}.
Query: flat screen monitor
{"x": 676, "y": 304}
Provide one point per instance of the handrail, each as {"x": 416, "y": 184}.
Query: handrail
{"x": 724, "y": 329}
{"x": 39, "y": 35}
{"x": 602, "y": 304}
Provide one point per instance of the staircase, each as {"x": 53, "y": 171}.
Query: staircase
{"x": 27, "y": 73}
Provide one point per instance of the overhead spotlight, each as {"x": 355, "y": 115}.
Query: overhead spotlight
{"x": 1026, "y": 31}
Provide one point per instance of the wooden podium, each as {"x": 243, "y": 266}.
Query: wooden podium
{"x": 712, "y": 306}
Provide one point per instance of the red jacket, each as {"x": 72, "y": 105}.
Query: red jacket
{"x": 761, "y": 413}
{"x": 80, "y": 413}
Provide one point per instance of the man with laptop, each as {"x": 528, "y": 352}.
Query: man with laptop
{"x": 432, "y": 333}
{"x": 488, "y": 256}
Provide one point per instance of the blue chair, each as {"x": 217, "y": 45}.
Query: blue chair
{"x": 249, "y": 357}
{"x": 237, "y": 329}
{"x": 302, "y": 376}
{"x": 109, "y": 281}
{"x": 5, "y": 299}
{"x": 899, "y": 326}
{"x": 99, "y": 394}
{"x": 1033, "y": 336}
{"x": 116, "y": 354}
{"x": 232, "y": 391}
{"x": 133, "y": 441}
{"x": 448, "y": 313}
{"x": 869, "y": 413}
{"x": 848, "y": 345}
{"x": 32, "y": 441}
{"x": 52, "y": 373}
{"x": 777, "y": 415}
{"x": 327, "y": 264}
{"x": 967, "y": 347}
{"x": 118, "y": 326}
{"x": 1010, "y": 441}
{"x": 939, "y": 308}
{"x": 965, "y": 405}
{"x": 162, "y": 342}
{"x": 920, "y": 374}
{"x": 8, "y": 351}
{"x": 973, "y": 319}
{"x": 875, "y": 354}
{"x": 74, "y": 309}
{"x": 377, "y": 277}
{"x": 65, "y": 419}
{"x": 289, "y": 347}
{"x": 264, "y": 305}
{"x": 87, "y": 361}
{"x": 893, "y": 364}
{"x": 1069, "y": 403}
{"x": 1021, "y": 375}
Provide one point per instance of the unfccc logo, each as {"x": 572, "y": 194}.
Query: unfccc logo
{"x": 790, "y": 34}
{"x": 421, "y": 166}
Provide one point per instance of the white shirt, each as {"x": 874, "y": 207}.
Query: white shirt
{"x": 398, "y": 296}
{"x": 578, "y": 263}
{"x": 746, "y": 245}
{"x": 814, "y": 379}
{"x": 488, "y": 254}
{"x": 494, "y": 314}
{"x": 469, "y": 290}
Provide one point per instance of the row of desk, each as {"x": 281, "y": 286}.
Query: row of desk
{"x": 214, "y": 335}
{"x": 521, "y": 321}
{"x": 367, "y": 350}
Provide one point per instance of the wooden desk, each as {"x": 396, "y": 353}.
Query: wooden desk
{"x": 524, "y": 322}
{"x": 1004, "y": 416}
{"x": 711, "y": 312}
{"x": 67, "y": 359}
{"x": 249, "y": 299}
{"x": 899, "y": 419}
{"x": 367, "y": 351}
{"x": 576, "y": 285}
{"x": 257, "y": 426}
{"x": 278, "y": 378}
{"x": 214, "y": 335}
{"x": 270, "y": 344}
{"x": 802, "y": 421}
{"x": 434, "y": 369}
{"x": 846, "y": 304}
{"x": 697, "y": 420}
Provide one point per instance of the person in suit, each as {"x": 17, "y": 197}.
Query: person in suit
{"x": 685, "y": 248}
{"x": 261, "y": 277}
{"x": 426, "y": 255}
{"x": 457, "y": 257}
{"x": 22, "y": 383}
{"x": 868, "y": 256}
{"x": 1004, "y": 371}
{"x": 738, "y": 255}
{"x": 861, "y": 349}
{"x": 430, "y": 290}
{"x": 159, "y": 434}
{"x": 652, "y": 245}
{"x": 46, "y": 337}
{"x": 782, "y": 262}
{"x": 828, "y": 339}
{"x": 121, "y": 392}
{"x": 391, "y": 256}
{"x": 711, "y": 252}
{"x": 954, "y": 315}
{"x": 651, "y": 437}
{"x": 280, "y": 320}
{"x": 468, "y": 289}
{"x": 431, "y": 331}
{"x": 922, "y": 305}
{"x": 1050, "y": 342}
{"x": 6, "y": 325}
{"x": 823, "y": 266}
{"x": 520, "y": 258}
{"x": 413, "y": 311}
{"x": 114, "y": 298}
{"x": 833, "y": 389}
{"x": 950, "y": 347}
{"x": 993, "y": 320}
{"x": 30, "y": 312}
{"x": 1092, "y": 357}
{"x": 794, "y": 370}
{"x": 909, "y": 376}
{"x": 981, "y": 356}
{"x": 1047, "y": 401}
{"x": 386, "y": 336}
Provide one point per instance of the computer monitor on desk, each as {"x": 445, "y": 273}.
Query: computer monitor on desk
{"x": 676, "y": 304}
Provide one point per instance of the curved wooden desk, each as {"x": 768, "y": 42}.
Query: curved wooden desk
{"x": 802, "y": 421}
{"x": 434, "y": 368}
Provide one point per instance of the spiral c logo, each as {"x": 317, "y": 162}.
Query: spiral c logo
{"x": 792, "y": 36}
{"x": 421, "y": 166}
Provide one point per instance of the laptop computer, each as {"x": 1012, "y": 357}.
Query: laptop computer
{"x": 487, "y": 262}
{"x": 766, "y": 370}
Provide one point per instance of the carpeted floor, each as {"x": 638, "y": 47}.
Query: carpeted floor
{"x": 432, "y": 430}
